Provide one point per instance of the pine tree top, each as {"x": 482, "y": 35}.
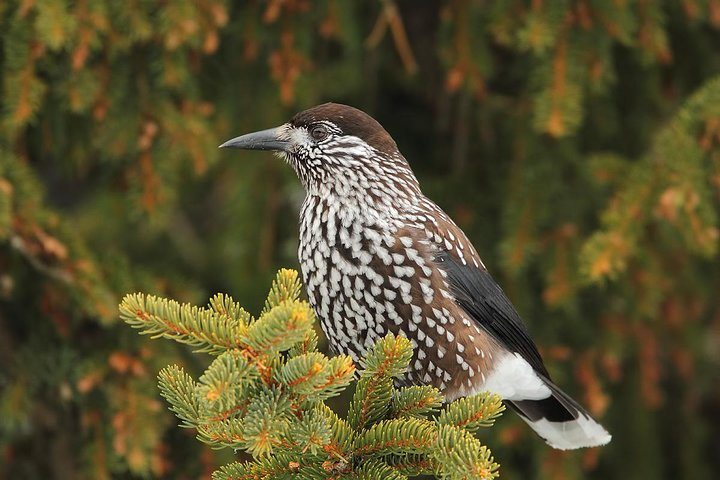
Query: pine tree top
{"x": 264, "y": 394}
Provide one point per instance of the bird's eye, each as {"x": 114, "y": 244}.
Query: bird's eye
{"x": 318, "y": 132}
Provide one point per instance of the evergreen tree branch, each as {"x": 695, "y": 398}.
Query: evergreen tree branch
{"x": 178, "y": 388}
{"x": 416, "y": 401}
{"x": 461, "y": 456}
{"x": 206, "y": 330}
{"x": 264, "y": 394}
{"x": 387, "y": 359}
{"x": 397, "y": 436}
{"x": 280, "y": 328}
{"x": 474, "y": 412}
{"x": 285, "y": 287}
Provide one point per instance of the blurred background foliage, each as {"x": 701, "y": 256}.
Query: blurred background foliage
{"x": 576, "y": 142}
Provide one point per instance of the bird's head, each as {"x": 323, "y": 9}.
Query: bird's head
{"x": 338, "y": 148}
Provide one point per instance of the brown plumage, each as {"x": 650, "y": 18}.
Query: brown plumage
{"x": 377, "y": 256}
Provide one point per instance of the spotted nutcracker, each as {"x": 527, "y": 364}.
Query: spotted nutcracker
{"x": 377, "y": 256}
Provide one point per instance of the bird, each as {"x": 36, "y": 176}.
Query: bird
{"x": 378, "y": 257}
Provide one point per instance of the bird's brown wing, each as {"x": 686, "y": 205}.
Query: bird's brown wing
{"x": 474, "y": 288}
{"x": 483, "y": 299}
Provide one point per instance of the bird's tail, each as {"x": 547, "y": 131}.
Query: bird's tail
{"x": 560, "y": 420}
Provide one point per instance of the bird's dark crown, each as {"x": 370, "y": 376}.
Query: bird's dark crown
{"x": 351, "y": 121}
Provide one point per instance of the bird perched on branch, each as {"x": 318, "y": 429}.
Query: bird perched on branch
{"x": 377, "y": 256}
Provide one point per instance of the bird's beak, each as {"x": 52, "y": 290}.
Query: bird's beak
{"x": 270, "y": 139}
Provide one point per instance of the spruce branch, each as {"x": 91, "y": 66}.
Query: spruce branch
{"x": 374, "y": 469}
{"x": 264, "y": 393}
{"x": 416, "y": 401}
{"x": 388, "y": 359}
{"x": 225, "y": 306}
{"x": 371, "y": 401}
{"x": 207, "y": 330}
{"x": 224, "y": 384}
{"x": 280, "y": 328}
{"x": 179, "y": 389}
{"x": 228, "y": 433}
{"x": 285, "y": 287}
{"x": 342, "y": 433}
{"x": 267, "y": 419}
{"x": 461, "y": 456}
{"x": 412, "y": 464}
{"x": 472, "y": 413}
{"x": 398, "y": 436}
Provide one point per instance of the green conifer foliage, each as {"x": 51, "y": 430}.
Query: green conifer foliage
{"x": 264, "y": 394}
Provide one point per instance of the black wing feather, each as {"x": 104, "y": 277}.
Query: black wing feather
{"x": 481, "y": 297}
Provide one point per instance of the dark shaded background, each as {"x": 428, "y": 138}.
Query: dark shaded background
{"x": 576, "y": 142}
